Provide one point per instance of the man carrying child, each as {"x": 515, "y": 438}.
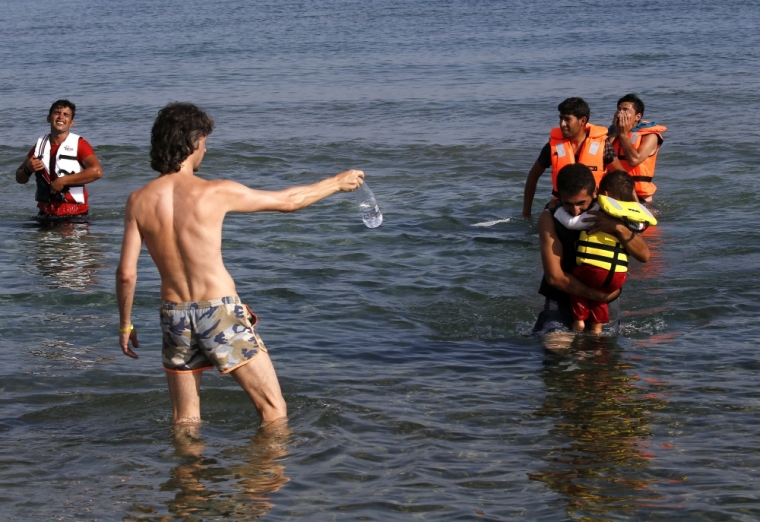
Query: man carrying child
{"x": 577, "y": 193}
{"x": 602, "y": 260}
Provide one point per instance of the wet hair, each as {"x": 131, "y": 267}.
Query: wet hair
{"x": 175, "y": 135}
{"x": 618, "y": 184}
{"x": 575, "y": 107}
{"x": 638, "y": 105}
{"x": 63, "y": 104}
{"x": 574, "y": 178}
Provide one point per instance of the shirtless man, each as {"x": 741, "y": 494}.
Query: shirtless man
{"x": 179, "y": 216}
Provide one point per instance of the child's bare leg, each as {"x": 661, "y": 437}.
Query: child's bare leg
{"x": 596, "y": 328}
{"x": 578, "y": 325}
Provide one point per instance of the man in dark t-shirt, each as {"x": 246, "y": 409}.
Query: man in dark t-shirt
{"x": 574, "y": 141}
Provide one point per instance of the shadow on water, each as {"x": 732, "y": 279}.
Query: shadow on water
{"x": 599, "y": 457}
{"x": 64, "y": 255}
{"x": 235, "y": 484}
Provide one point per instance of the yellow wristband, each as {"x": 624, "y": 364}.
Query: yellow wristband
{"x": 127, "y": 330}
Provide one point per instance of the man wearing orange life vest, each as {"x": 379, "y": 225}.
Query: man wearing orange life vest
{"x": 637, "y": 143}
{"x": 63, "y": 163}
{"x": 574, "y": 141}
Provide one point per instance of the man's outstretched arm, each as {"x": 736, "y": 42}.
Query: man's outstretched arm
{"x": 239, "y": 198}
{"x": 126, "y": 279}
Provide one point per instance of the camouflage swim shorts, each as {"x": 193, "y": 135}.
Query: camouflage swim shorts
{"x": 216, "y": 333}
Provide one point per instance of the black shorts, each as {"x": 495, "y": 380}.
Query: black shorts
{"x": 555, "y": 317}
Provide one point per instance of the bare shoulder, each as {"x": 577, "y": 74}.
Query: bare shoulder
{"x": 225, "y": 186}
{"x": 225, "y": 193}
{"x": 134, "y": 198}
{"x": 140, "y": 194}
{"x": 545, "y": 222}
{"x": 146, "y": 200}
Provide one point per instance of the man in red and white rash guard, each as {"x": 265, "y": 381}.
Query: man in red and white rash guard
{"x": 62, "y": 163}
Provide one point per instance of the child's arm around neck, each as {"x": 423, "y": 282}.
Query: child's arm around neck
{"x": 574, "y": 223}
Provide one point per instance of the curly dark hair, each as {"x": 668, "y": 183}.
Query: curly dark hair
{"x": 175, "y": 135}
{"x": 575, "y": 107}
{"x": 63, "y": 104}
{"x": 574, "y": 178}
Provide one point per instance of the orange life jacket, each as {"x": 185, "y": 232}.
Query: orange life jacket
{"x": 591, "y": 153}
{"x": 643, "y": 173}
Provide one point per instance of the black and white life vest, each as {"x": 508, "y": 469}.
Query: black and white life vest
{"x": 65, "y": 163}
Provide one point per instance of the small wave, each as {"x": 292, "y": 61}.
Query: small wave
{"x": 492, "y": 223}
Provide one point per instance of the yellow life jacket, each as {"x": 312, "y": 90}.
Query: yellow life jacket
{"x": 626, "y": 210}
{"x": 602, "y": 250}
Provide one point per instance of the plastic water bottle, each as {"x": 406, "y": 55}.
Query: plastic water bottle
{"x": 371, "y": 214}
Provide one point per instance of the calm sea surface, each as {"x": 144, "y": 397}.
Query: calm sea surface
{"x": 415, "y": 390}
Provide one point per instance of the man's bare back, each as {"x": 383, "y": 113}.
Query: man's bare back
{"x": 180, "y": 217}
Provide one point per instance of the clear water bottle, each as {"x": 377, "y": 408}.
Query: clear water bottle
{"x": 371, "y": 214}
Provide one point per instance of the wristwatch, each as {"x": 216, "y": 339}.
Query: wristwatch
{"x": 634, "y": 226}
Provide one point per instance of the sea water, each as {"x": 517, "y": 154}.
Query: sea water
{"x": 414, "y": 388}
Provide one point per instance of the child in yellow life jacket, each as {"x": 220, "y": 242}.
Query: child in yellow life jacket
{"x": 602, "y": 261}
